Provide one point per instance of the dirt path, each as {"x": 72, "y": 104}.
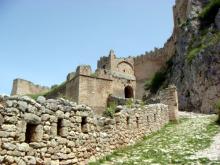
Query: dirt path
{"x": 184, "y": 143}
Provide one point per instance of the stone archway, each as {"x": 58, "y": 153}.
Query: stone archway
{"x": 129, "y": 93}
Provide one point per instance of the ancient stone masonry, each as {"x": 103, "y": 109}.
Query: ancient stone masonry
{"x": 24, "y": 87}
{"x": 54, "y": 132}
{"x": 169, "y": 97}
{"x": 118, "y": 77}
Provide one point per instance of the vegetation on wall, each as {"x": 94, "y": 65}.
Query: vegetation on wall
{"x": 55, "y": 89}
{"x": 129, "y": 103}
{"x": 158, "y": 80}
{"x": 35, "y": 96}
{"x": 198, "y": 44}
{"x": 110, "y": 110}
{"x": 207, "y": 16}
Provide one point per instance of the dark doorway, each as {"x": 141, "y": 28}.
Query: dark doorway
{"x": 129, "y": 92}
{"x": 30, "y": 133}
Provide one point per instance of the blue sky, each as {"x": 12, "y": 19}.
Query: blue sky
{"x": 43, "y": 40}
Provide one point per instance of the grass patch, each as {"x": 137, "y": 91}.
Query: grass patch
{"x": 174, "y": 144}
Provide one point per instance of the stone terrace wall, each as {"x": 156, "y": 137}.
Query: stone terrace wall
{"x": 53, "y": 132}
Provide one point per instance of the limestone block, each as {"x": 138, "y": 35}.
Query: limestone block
{"x": 8, "y": 146}
{"x": 9, "y": 127}
{"x": 9, "y": 159}
{"x": 23, "y": 147}
{"x": 60, "y": 114}
{"x": 22, "y": 105}
{"x": 1, "y": 120}
{"x": 32, "y": 118}
{"x": 54, "y": 162}
{"x": 53, "y": 129}
{"x": 65, "y": 123}
{"x": 41, "y": 99}
{"x": 20, "y": 161}
{"x": 5, "y": 134}
{"x": 9, "y": 119}
{"x": 30, "y": 160}
{"x": 45, "y": 117}
{"x": 38, "y": 133}
{"x": 9, "y": 103}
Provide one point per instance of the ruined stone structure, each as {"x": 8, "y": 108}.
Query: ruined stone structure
{"x": 118, "y": 77}
{"x": 60, "y": 132}
{"x": 24, "y": 87}
{"x": 169, "y": 97}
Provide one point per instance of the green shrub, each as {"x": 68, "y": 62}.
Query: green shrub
{"x": 129, "y": 103}
{"x": 110, "y": 110}
{"x": 35, "y": 96}
{"x": 218, "y": 108}
{"x": 207, "y": 16}
{"x": 55, "y": 89}
{"x": 193, "y": 53}
{"x": 156, "y": 82}
{"x": 54, "y": 86}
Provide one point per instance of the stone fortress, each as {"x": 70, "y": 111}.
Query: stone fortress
{"x": 114, "y": 77}
{"x": 61, "y": 132}
{"x": 55, "y": 131}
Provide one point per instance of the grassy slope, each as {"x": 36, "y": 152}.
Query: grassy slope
{"x": 174, "y": 144}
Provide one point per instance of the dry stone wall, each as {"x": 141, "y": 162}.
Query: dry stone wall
{"x": 53, "y": 132}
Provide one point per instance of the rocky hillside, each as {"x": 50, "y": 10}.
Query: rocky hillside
{"x": 195, "y": 67}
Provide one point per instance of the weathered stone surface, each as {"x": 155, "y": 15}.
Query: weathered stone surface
{"x": 30, "y": 160}
{"x": 8, "y": 146}
{"x": 70, "y": 137}
{"x": 41, "y": 99}
{"x": 23, "y": 147}
{"x": 22, "y": 105}
{"x": 32, "y": 118}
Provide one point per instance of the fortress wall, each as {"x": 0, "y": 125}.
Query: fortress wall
{"x": 60, "y": 132}
{"x": 72, "y": 89}
{"x": 94, "y": 92}
{"x": 145, "y": 66}
{"x": 119, "y": 86}
{"x": 24, "y": 87}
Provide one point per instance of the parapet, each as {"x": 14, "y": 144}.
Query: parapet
{"x": 70, "y": 76}
{"x": 84, "y": 70}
